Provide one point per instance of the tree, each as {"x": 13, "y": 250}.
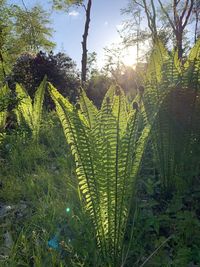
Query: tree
{"x": 179, "y": 20}
{"x": 6, "y": 39}
{"x": 84, "y": 43}
{"x": 29, "y": 70}
{"x": 22, "y": 30}
{"x": 91, "y": 64}
{"x": 32, "y": 29}
{"x": 123, "y": 75}
{"x": 97, "y": 87}
{"x": 196, "y": 11}
{"x": 65, "y": 4}
{"x": 165, "y": 21}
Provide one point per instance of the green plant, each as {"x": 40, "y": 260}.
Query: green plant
{"x": 176, "y": 130}
{"x": 29, "y": 112}
{"x": 108, "y": 146}
{"x": 4, "y": 93}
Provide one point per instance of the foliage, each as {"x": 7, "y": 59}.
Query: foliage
{"x": 4, "y": 104}
{"x": 99, "y": 83}
{"x": 125, "y": 76}
{"x": 108, "y": 148}
{"x": 29, "y": 70}
{"x": 35, "y": 185}
{"x": 32, "y": 29}
{"x": 28, "y": 112}
{"x": 29, "y": 29}
{"x": 176, "y": 131}
{"x": 65, "y": 4}
{"x": 97, "y": 87}
{"x": 174, "y": 221}
{"x": 170, "y": 21}
{"x": 136, "y": 199}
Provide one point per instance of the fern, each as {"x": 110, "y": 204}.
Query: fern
{"x": 107, "y": 146}
{"x": 4, "y": 93}
{"x": 24, "y": 110}
{"x": 176, "y": 131}
{"x": 28, "y": 112}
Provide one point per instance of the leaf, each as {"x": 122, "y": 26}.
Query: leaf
{"x": 158, "y": 57}
{"x": 24, "y": 109}
{"x": 88, "y": 109}
{"x": 37, "y": 107}
{"x": 4, "y": 92}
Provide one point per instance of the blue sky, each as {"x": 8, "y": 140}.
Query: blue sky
{"x": 68, "y": 27}
{"x": 105, "y": 19}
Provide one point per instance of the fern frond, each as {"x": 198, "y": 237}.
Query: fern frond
{"x": 119, "y": 108}
{"x": 106, "y": 141}
{"x": 37, "y": 108}
{"x": 28, "y": 112}
{"x": 4, "y": 92}
{"x": 88, "y": 109}
{"x": 193, "y": 55}
{"x": 109, "y": 96}
{"x": 83, "y": 148}
{"x": 24, "y": 109}
{"x": 158, "y": 57}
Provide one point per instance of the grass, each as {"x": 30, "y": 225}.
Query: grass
{"x": 39, "y": 187}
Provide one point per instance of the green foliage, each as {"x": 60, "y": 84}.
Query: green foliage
{"x": 29, "y": 29}
{"x": 97, "y": 87}
{"x": 136, "y": 199}
{"x": 108, "y": 147}
{"x": 38, "y": 183}
{"x": 28, "y": 112}
{"x": 32, "y": 29}
{"x": 65, "y": 4}
{"x": 29, "y": 70}
{"x": 176, "y": 131}
{"x": 4, "y": 92}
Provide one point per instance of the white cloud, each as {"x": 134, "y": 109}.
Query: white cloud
{"x": 106, "y": 23}
{"x": 74, "y": 13}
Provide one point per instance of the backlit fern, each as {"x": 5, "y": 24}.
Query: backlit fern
{"x": 108, "y": 148}
{"x": 108, "y": 144}
{"x": 28, "y": 112}
{"x": 176, "y": 133}
{"x": 4, "y": 102}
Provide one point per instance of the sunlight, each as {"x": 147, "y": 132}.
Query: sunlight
{"x": 129, "y": 56}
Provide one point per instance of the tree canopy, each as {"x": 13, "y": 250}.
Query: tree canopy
{"x": 22, "y": 30}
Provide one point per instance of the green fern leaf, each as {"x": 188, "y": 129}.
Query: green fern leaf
{"x": 87, "y": 108}
{"x": 24, "y": 109}
{"x": 3, "y": 112}
{"x": 37, "y": 108}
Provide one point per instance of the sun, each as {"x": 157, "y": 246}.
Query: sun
{"x": 129, "y": 56}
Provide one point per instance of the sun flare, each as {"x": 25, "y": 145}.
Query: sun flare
{"x": 129, "y": 56}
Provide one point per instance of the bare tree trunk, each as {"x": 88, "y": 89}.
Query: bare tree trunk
{"x": 179, "y": 21}
{"x": 84, "y": 44}
{"x": 179, "y": 40}
{"x": 197, "y": 12}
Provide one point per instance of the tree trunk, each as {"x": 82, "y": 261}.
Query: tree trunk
{"x": 84, "y": 44}
{"x": 179, "y": 43}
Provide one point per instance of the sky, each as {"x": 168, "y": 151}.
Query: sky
{"x": 106, "y": 20}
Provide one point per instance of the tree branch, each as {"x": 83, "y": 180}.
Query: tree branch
{"x": 184, "y": 10}
{"x": 148, "y": 16}
{"x": 168, "y": 17}
{"x": 139, "y": 4}
{"x": 176, "y": 16}
{"x": 188, "y": 14}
